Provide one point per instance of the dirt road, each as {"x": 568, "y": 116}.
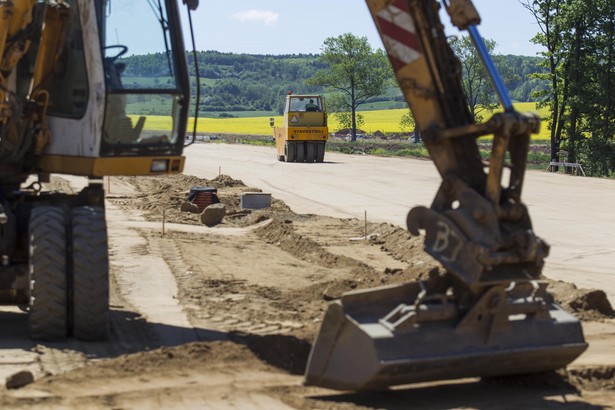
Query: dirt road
{"x": 223, "y": 317}
{"x": 573, "y": 214}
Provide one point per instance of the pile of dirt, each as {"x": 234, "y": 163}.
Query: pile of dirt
{"x": 282, "y": 234}
{"x": 592, "y": 378}
{"x": 586, "y": 304}
{"x": 168, "y": 193}
{"x": 195, "y": 356}
{"x": 396, "y": 241}
{"x": 288, "y": 232}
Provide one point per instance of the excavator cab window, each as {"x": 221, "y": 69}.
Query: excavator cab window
{"x": 69, "y": 80}
{"x": 143, "y": 62}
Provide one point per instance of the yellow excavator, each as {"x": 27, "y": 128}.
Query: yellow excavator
{"x": 69, "y": 104}
{"x": 488, "y": 313}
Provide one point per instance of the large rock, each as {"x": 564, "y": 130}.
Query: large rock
{"x": 189, "y": 207}
{"x": 213, "y": 214}
{"x": 19, "y": 380}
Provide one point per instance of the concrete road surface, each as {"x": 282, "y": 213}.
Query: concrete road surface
{"x": 575, "y": 215}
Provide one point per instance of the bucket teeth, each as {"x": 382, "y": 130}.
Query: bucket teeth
{"x": 398, "y": 335}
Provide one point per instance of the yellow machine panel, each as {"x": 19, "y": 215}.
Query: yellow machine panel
{"x": 303, "y": 136}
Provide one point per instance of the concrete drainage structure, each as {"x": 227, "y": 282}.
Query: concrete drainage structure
{"x": 255, "y": 200}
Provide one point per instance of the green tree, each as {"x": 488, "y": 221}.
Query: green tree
{"x": 474, "y": 78}
{"x": 406, "y": 122}
{"x": 578, "y": 36}
{"x": 344, "y": 118}
{"x": 336, "y": 104}
{"x": 548, "y": 16}
{"x": 355, "y": 70}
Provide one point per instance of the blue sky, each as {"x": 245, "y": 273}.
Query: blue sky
{"x": 291, "y": 27}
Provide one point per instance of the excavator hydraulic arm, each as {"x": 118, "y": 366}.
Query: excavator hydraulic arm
{"x": 487, "y": 313}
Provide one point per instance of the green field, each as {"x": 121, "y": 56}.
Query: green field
{"x": 386, "y": 121}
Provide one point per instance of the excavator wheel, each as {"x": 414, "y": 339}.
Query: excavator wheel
{"x": 320, "y": 152}
{"x": 310, "y": 152}
{"x": 90, "y": 273}
{"x": 47, "y": 318}
{"x": 289, "y": 152}
{"x": 300, "y": 154}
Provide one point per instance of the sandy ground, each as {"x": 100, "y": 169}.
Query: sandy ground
{"x": 224, "y": 317}
{"x": 573, "y": 214}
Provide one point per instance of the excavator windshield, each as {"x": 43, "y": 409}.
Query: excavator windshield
{"x": 144, "y": 69}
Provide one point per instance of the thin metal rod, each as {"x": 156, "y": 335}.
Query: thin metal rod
{"x": 494, "y": 75}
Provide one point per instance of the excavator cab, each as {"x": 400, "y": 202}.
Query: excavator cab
{"x": 126, "y": 128}
{"x": 119, "y": 92}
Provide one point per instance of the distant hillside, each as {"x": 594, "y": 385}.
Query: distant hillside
{"x": 233, "y": 84}
{"x": 522, "y": 67}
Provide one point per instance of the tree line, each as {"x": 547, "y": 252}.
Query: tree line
{"x": 247, "y": 82}
{"x": 579, "y": 36}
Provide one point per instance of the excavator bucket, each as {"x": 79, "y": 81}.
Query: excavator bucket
{"x": 408, "y": 333}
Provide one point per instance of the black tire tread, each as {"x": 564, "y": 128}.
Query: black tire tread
{"x": 90, "y": 273}
{"x": 320, "y": 152}
{"x": 300, "y": 153}
{"x": 290, "y": 150}
{"x": 310, "y": 151}
{"x": 47, "y": 319}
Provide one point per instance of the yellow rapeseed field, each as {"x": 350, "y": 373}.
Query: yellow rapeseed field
{"x": 380, "y": 120}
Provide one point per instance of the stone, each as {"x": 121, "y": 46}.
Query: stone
{"x": 19, "y": 379}
{"x": 189, "y": 207}
{"x": 213, "y": 214}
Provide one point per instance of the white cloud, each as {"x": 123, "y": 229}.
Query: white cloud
{"x": 269, "y": 18}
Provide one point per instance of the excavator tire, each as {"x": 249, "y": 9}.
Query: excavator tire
{"x": 320, "y": 152}
{"x": 310, "y": 152}
{"x": 289, "y": 152}
{"x": 300, "y": 154}
{"x": 90, "y": 273}
{"x": 47, "y": 318}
